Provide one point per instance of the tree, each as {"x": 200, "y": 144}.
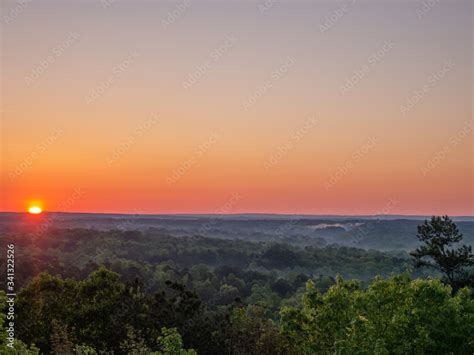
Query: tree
{"x": 396, "y": 316}
{"x": 60, "y": 339}
{"x": 134, "y": 344}
{"x": 251, "y": 332}
{"x": 95, "y": 318}
{"x": 279, "y": 256}
{"x": 172, "y": 344}
{"x": 43, "y": 300}
{"x": 18, "y": 346}
{"x": 282, "y": 287}
{"x": 438, "y": 251}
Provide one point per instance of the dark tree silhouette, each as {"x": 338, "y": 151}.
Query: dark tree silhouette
{"x": 439, "y": 251}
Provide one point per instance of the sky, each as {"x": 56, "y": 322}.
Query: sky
{"x": 301, "y": 107}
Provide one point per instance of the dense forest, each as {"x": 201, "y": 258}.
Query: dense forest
{"x": 91, "y": 291}
{"x": 384, "y": 233}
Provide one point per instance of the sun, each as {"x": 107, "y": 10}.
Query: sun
{"x": 35, "y": 210}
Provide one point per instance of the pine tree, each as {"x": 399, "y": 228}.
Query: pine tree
{"x": 439, "y": 251}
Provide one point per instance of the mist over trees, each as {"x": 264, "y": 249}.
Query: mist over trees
{"x": 89, "y": 291}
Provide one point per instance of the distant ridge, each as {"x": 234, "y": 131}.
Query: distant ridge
{"x": 244, "y": 216}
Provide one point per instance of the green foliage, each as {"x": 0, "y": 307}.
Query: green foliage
{"x": 84, "y": 350}
{"x": 105, "y": 314}
{"x": 262, "y": 296}
{"x": 157, "y": 258}
{"x": 172, "y": 344}
{"x": 251, "y": 332}
{"x": 280, "y": 256}
{"x": 60, "y": 338}
{"x": 395, "y": 316}
{"x": 98, "y": 298}
{"x": 18, "y": 346}
{"x": 45, "y": 299}
{"x": 440, "y": 235}
{"x": 148, "y": 293}
{"x": 134, "y": 344}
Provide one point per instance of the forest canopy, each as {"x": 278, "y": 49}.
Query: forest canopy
{"x": 88, "y": 291}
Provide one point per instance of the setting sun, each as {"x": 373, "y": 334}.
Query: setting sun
{"x": 35, "y": 210}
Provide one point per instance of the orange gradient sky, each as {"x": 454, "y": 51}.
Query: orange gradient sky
{"x": 298, "y": 107}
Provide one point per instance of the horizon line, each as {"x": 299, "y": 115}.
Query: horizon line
{"x": 243, "y": 214}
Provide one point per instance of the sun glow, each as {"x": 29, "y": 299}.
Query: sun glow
{"x": 35, "y": 210}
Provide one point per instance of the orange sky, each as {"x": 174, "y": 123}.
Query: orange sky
{"x": 150, "y": 108}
